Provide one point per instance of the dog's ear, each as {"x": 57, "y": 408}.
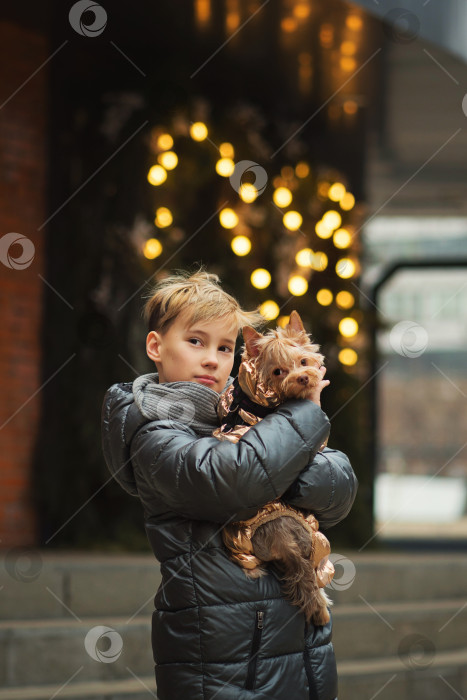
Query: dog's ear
{"x": 250, "y": 336}
{"x": 295, "y": 322}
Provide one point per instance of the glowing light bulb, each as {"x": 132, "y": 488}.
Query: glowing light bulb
{"x": 248, "y": 192}
{"x": 269, "y": 309}
{"x": 163, "y": 217}
{"x": 336, "y": 192}
{"x": 297, "y": 285}
{"x": 168, "y": 159}
{"x": 304, "y": 257}
{"x": 228, "y": 218}
{"x": 292, "y": 220}
{"x": 157, "y": 175}
{"x": 226, "y": 150}
{"x": 348, "y": 357}
{"x": 324, "y": 297}
{"x": 347, "y": 202}
{"x": 342, "y": 238}
{"x": 345, "y": 268}
{"x": 332, "y": 219}
{"x": 152, "y": 248}
{"x": 225, "y": 167}
{"x": 322, "y": 230}
{"x": 198, "y": 131}
{"x": 260, "y": 278}
{"x": 302, "y": 170}
{"x": 320, "y": 261}
{"x": 348, "y": 327}
{"x": 345, "y": 300}
{"x": 241, "y": 245}
{"x": 282, "y": 197}
{"x": 165, "y": 142}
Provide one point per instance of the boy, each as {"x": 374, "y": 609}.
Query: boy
{"x": 215, "y": 633}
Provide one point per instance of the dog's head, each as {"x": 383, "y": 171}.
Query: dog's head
{"x": 286, "y": 360}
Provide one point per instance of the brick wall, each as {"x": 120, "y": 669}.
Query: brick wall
{"x": 22, "y": 210}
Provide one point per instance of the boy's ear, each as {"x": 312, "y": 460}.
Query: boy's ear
{"x": 250, "y": 336}
{"x": 152, "y": 346}
{"x": 295, "y": 322}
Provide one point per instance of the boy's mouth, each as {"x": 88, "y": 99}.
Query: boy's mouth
{"x": 207, "y": 379}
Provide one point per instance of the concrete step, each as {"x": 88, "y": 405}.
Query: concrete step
{"x": 442, "y": 677}
{"x": 141, "y": 688}
{"x": 89, "y": 585}
{"x": 372, "y": 630}
{"x": 38, "y": 652}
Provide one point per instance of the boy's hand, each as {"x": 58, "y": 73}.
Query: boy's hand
{"x": 315, "y": 393}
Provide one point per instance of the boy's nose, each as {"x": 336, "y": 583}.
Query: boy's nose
{"x": 210, "y": 358}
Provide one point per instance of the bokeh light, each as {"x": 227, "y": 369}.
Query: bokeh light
{"x": 198, "y": 131}
{"x": 157, "y": 175}
{"x": 345, "y": 300}
{"x": 292, "y": 220}
{"x": 348, "y": 327}
{"x": 347, "y": 356}
{"x": 163, "y": 217}
{"x": 269, "y": 309}
{"x": 152, "y": 248}
{"x": 228, "y": 218}
{"x": 324, "y": 297}
{"x": 260, "y": 278}
{"x": 282, "y": 197}
{"x": 241, "y": 245}
{"x": 169, "y": 160}
{"x": 297, "y": 285}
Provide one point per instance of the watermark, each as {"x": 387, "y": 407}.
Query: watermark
{"x": 464, "y": 105}
{"x": 401, "y": 26}
{"x": 345, "y": 572}
{"x": 77, "y": 20}
{"x": 23, "y": 564}
{"x": 19, "y": 261}
{"x": 416, "y": 651}
{"x": 114, "y": 644}
{"x": 249, "y": 166}
{"x": 408, "y": 339}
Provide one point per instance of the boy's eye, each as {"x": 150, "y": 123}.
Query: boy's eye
{"x": 194, "y": 340}
{"x": 225, "y": 348}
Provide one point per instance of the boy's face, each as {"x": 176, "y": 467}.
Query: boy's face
{"x": 202, "y": 352}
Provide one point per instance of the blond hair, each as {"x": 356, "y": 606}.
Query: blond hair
{"x": 201, "y": 294}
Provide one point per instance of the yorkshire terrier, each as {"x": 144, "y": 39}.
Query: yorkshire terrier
{"x": 282, "y": 364}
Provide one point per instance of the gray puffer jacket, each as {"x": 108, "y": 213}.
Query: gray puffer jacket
{"x": 215, "y": 633}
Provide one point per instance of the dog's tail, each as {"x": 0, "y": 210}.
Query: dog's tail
{"x": 286, "y": 543}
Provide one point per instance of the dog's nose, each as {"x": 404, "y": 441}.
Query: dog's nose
{"x": 303, "y": 379}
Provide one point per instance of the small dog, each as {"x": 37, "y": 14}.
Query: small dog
{"x": 280, "y": 365}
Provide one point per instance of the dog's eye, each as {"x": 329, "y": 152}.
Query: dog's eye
{"x": 303, "y": 362}
{"x": 277, "y": 372}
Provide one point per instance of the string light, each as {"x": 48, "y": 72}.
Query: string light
{"x": 345, "y": 300}
{"x": 320, "y": 261}
{"x": 163, "y": 217}
{"x": 260, "y": 278}
{"x": 302, "y": 170}
{"x": 198, "y": 131}
{"x": 228, "y": 218}
{"x": 304, "y": 257}
{"x": 347, "y": 202}
{"x": 348, "y": 357}
{"x": 342, "y": 238}
{"x": 292, "y": 220}
{"x": 336, "y": 192}
{"x": 226, "y": 150}
{"x": 248, "y": 192}
{"x": 297, "y": 285}
{"x": 282, "y": 197}
{"x": 348, "y": 327}
{"x": 324, "y": 297}
{"x": 241, "y": 245}
{"x": 165, "y": 142}
{"x": 269, "y": 309}
{"x": 332, "y": 219}
{"x": 152, "y": 248}
{"x": 157, "y": 175}
{"x": 225, "y": 167}
{"x": 168, "y": 159}
{"x": 345, "y": 268}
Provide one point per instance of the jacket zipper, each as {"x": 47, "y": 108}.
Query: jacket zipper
{"x": 251, "y": 672}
